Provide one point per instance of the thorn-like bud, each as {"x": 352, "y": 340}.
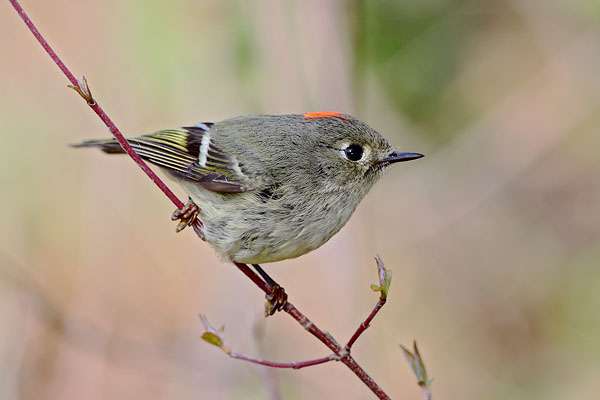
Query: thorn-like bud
{"x": 385, "y": 278}
{"x": 84, "y": 90}
{"x": 418, "y": 366}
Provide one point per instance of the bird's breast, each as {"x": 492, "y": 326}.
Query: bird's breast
{"x": 269, "y": 225}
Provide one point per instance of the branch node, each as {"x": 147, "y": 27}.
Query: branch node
{"x": 306, "y": 323}
{"x": 344, "y": 353}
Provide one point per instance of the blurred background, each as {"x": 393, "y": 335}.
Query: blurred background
{"x": 493, "y": 238}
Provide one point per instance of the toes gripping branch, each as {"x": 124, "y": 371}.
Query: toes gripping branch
{"x": 186, "y": 215}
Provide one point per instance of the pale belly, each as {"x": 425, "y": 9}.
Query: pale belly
{"x": 242, "y": 228}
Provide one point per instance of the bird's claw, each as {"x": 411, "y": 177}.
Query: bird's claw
{"x": 186, "y": 215}
{"x": 276, "y": 300}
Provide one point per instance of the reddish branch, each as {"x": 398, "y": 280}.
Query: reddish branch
{"x": 83, "y": 90}
{"x": 293, "y": 365}
{"x": 254, "y": 278}
{"x": 385, "y": 278}
{"x": 340, "y": 353}
{"x": 214, "y": 337}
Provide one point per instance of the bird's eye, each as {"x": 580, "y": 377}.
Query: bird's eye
{"x": 353, "y": 152}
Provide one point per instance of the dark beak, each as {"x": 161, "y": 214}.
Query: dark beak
{"x": 400, "y": 157}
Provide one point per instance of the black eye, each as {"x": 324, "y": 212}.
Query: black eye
{"x": 354, "y": 152}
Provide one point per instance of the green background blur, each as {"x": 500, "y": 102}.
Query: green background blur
{"x": 493, "y": 238}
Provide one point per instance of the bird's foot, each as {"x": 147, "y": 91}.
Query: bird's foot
{"x": 186, "y": 215}
{"x": 276, "y": 300}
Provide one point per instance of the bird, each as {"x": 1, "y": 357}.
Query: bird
{"x": 268, "y": 187}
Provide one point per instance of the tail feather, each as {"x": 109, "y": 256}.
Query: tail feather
{"x": 110, "y": 146}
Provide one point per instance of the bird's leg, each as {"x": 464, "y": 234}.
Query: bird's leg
{"x": 186, "y": 215}
{"x": 278, "y": 297}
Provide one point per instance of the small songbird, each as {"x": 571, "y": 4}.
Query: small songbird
{"x": 268, "y": 187}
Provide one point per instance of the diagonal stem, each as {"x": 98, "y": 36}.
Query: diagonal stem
{"x": 365, "y": 324}
{"x": 253, "y": 277}
{"x": 385, "y": 279}
{"x": 94, "y": 106}
{"x": 330, "y": 342}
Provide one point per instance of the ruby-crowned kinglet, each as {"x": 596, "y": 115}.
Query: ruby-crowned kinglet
{"x": 270, "y": 187}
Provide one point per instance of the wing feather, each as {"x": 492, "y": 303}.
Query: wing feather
{"x": 178, "y": 150}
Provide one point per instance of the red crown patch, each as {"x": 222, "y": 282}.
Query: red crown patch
{"x": 325, "y": 114}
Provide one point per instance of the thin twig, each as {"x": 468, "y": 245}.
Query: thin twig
{"x": 83, "y": 89}
{"x": 385, "y": 279}
{"x": 330, "y": 342}
{"x": 364, "y": 325}
{"x": 324, "y": 337}
{"x": 292, "y": 365}
{"x": 215, "y": 337}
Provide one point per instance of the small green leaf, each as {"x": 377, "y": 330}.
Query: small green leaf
{"x": 213, "y": 336}
{"x": 212, "y": 339}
